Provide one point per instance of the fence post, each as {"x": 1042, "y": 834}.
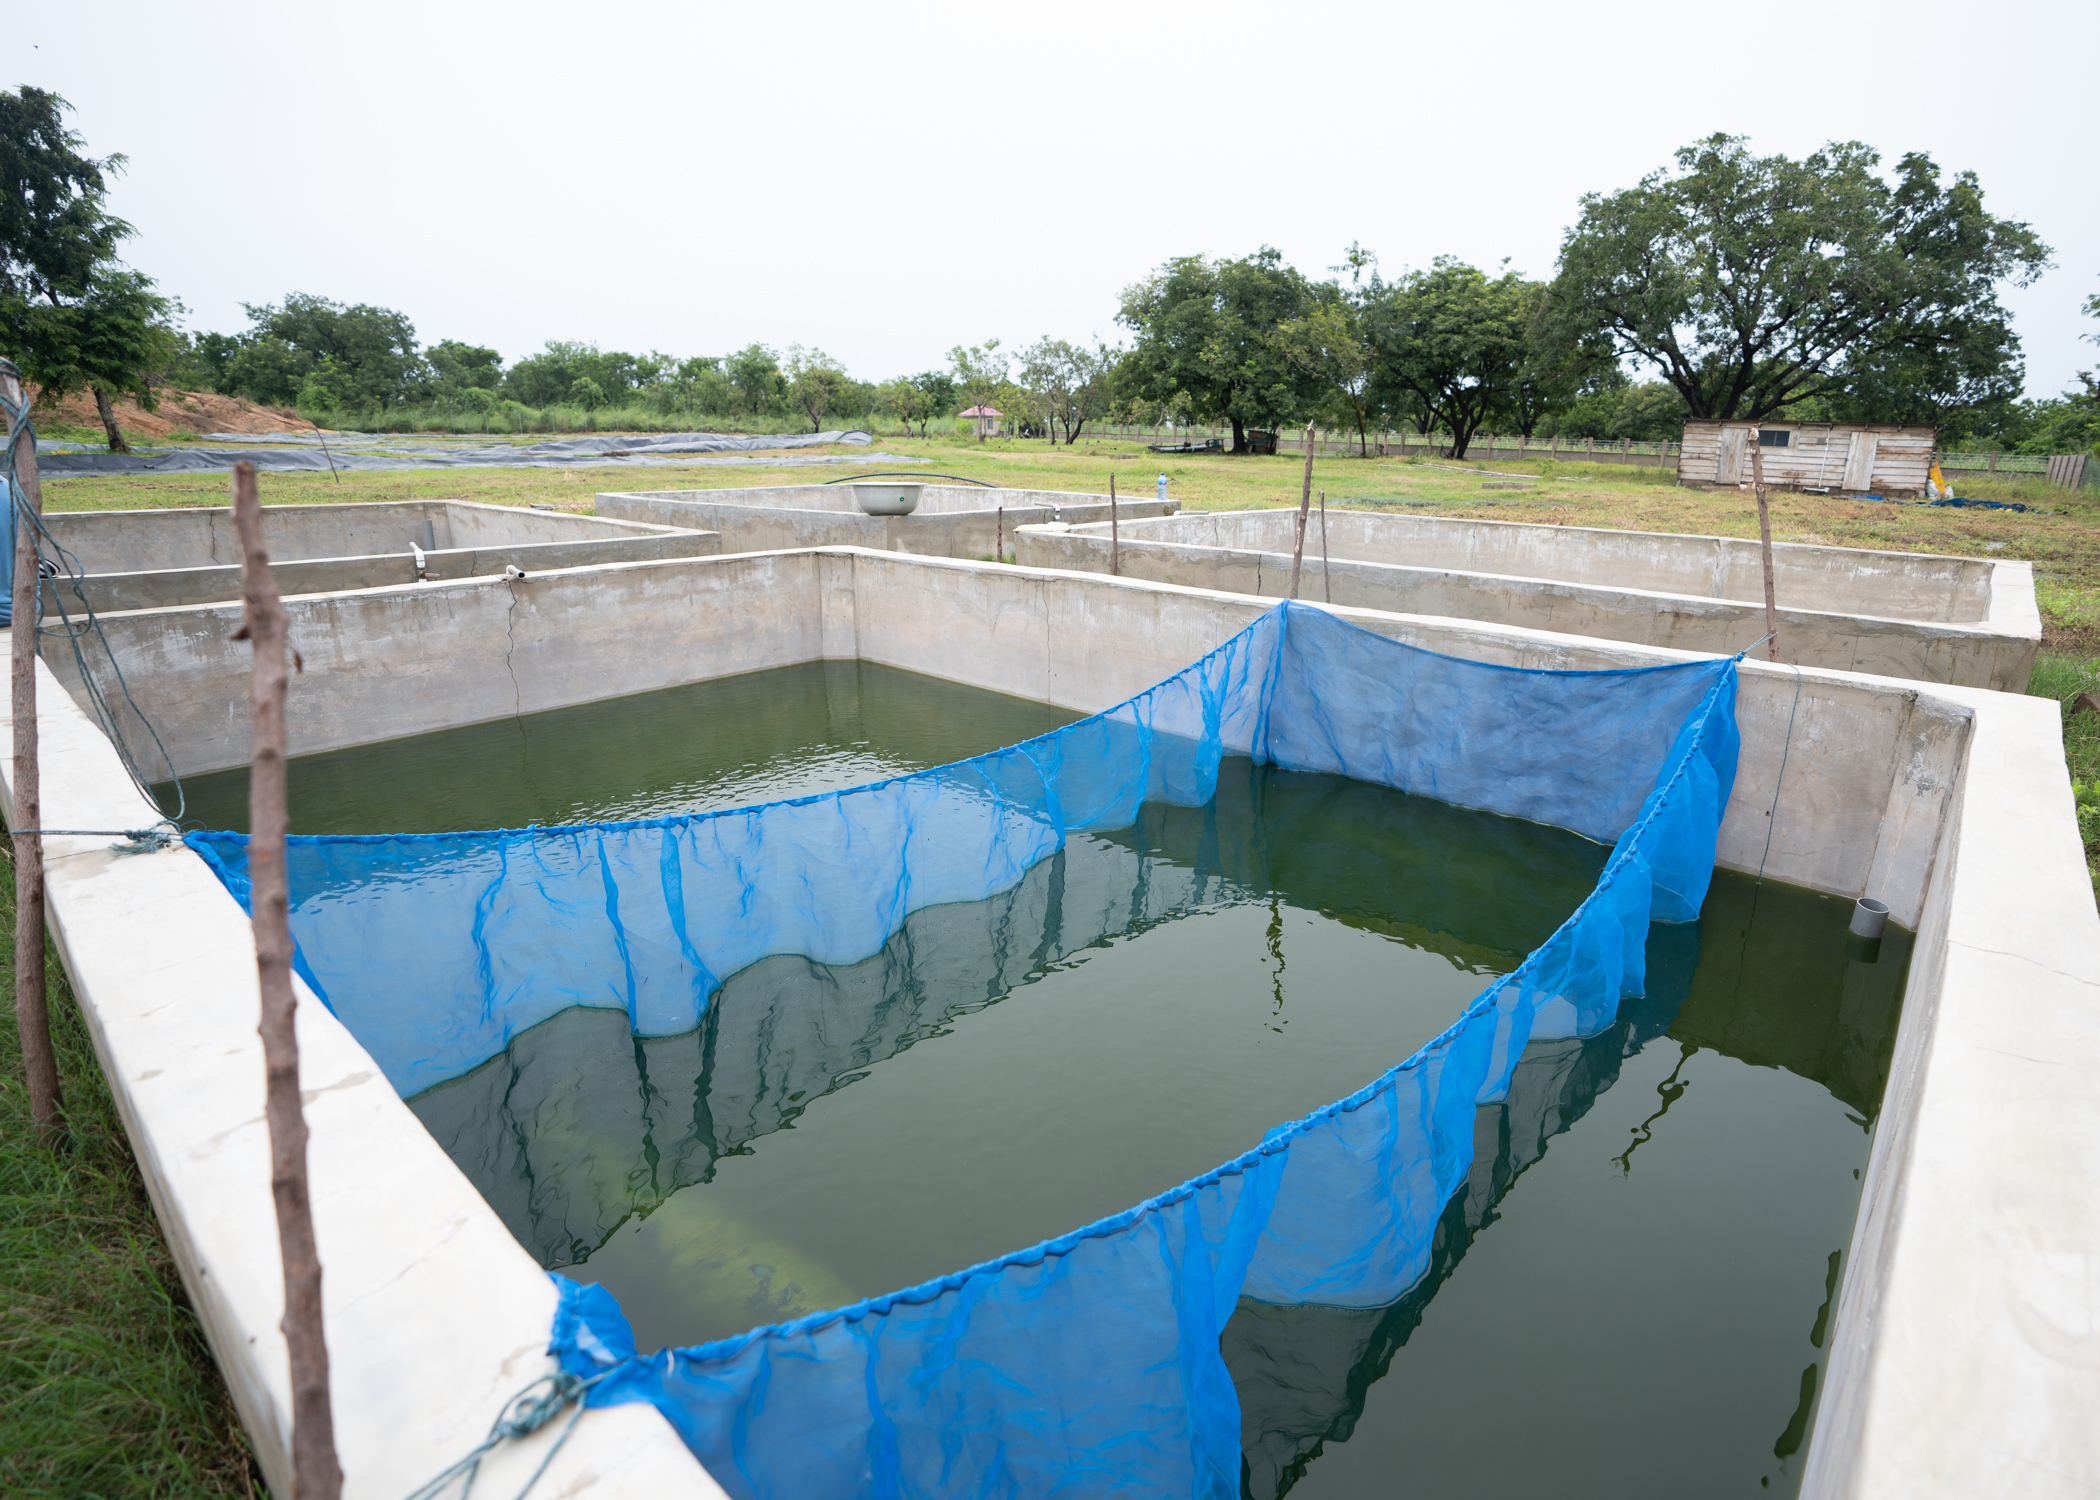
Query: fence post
{"x": 32, "y": 1017}
{"x": 316, "y": 1474}
{"x": 1764, "y": 533}
{"x": 1304, "y": 504}
{"x": 1115, "y": 532}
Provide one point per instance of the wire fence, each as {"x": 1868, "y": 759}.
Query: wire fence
{"x": 1995, "y": 463}
{"x": 2071, "y": 470}
{"x": 1388, "y": 444}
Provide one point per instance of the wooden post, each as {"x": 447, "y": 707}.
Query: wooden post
{"x": 315, "y": 1473}
{"x": 1304, "y": 503}
{"x": 1326, "y": 583}
{"x": 32, "y": 1012}
{"x": 1764, "y": 532}
{"x": 1115, "y": 533}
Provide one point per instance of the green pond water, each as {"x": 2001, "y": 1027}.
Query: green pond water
{"x": 1630, "y": 1297}
{"x": 791, "y": 732}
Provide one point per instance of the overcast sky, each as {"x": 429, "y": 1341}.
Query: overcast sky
{"x": 887, "y": 181}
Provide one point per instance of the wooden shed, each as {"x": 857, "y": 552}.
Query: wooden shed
{"x": 1859, "y": 457}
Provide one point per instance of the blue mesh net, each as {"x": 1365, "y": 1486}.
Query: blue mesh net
{"x": 1089, "y": 1363}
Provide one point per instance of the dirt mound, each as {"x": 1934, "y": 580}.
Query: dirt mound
{"x": 179, "y": 411}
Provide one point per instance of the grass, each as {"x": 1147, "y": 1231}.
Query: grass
{"x": 2065, "y": 678}
{"x": 2061, "y": 535}
{"x": 106, "y": 1387}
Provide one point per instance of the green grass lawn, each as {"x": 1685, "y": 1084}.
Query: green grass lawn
{"x": 106, "y": 1387}
{"x": 2061, "y": 534}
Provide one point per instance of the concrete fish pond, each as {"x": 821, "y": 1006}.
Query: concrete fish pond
{"x": 831, "y": 1134}
{"x": 1962, "y": 620}
{"x": 1860, "y": 1377}
{"x": 654, "y": 920}
{"x": 947, "y": 520}
{"x": 148, "y": 559}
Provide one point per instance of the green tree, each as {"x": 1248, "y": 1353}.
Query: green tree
{"x": 363, "y": 355}
{"x": 456, "y": 367}
{"x": 108, "y": 342}
{"x": 1453, "y": 345}
{"x": 755, "y": 373}
{"x": 694, "y": 385}
{"x": 1329, "y": 345}
{"x": 2069, "y": 423}
{"x": 549, "y": 378}
{"x": 71, "y": 318}
{"x": 917, "y": 400}
{"x": 1328, "y": 342}
{"x": 1610, "y": 404}
{"x": 980, "y": 371}
{"x": 1067, "y": 385}
{"x": 1752, "y": 283}
{"x": 1212, "y": 331}
{"x": 816, "y": 382}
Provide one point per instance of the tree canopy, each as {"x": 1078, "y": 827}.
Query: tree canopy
{"x": 70, "y": 316}
{"x": 1752, "y": 283}
{"x": 1068, "y": 383}
{"x": 323, "y": 354}
{"x": 1211, "y": 331}
{"x": 816, "y": 381}
{"x": 1454, "y": 344}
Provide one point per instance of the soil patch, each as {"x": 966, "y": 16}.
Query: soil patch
{"x": 177, "y": 411}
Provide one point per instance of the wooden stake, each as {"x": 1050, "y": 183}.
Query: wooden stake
{"x": 315, "y": 1472}
{"x": 32, "y": 1012}
{"x": 1115, "y": 533}
{"x": 1326, "y": 583}
{"x": 1764, "y": 532}
{"x": 1304, "y": 503}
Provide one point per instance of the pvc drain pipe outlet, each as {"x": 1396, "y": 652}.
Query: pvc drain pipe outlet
{"x": 1869, "y": 917}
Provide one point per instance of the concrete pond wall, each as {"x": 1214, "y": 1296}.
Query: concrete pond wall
{"x": 1965, "y": 1355}
{"x": 952, "y": 520}
{"x": 147, "y": 559}
{"x": 1961, "y": 620}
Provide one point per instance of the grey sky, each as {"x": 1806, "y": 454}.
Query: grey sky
{"x": 885, "y": 182}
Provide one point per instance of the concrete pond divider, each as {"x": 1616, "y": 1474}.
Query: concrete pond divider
{"x": 1968, "y": 621}
{"x": 1964, "y": 1355}
{"x": 148, "y": 559}
{"x": 952, "y": 520}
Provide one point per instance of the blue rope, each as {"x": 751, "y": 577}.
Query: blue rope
{"x": 1772, "y": 816}
{"x": 524, "y": 1414}
{"x": 22, "y": 512}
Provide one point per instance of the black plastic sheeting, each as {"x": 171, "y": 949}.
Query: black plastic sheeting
{"x": 285, "y": 452}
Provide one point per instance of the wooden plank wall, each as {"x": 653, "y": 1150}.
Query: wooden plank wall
{"x": 2070, "y": 470}
{"x": 1815, "y": 457}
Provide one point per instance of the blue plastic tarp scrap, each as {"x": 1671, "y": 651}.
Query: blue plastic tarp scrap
{"x": 1089, "y": 1363}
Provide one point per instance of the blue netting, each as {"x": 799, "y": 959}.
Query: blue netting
{"x": 1089, "y": 1363}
